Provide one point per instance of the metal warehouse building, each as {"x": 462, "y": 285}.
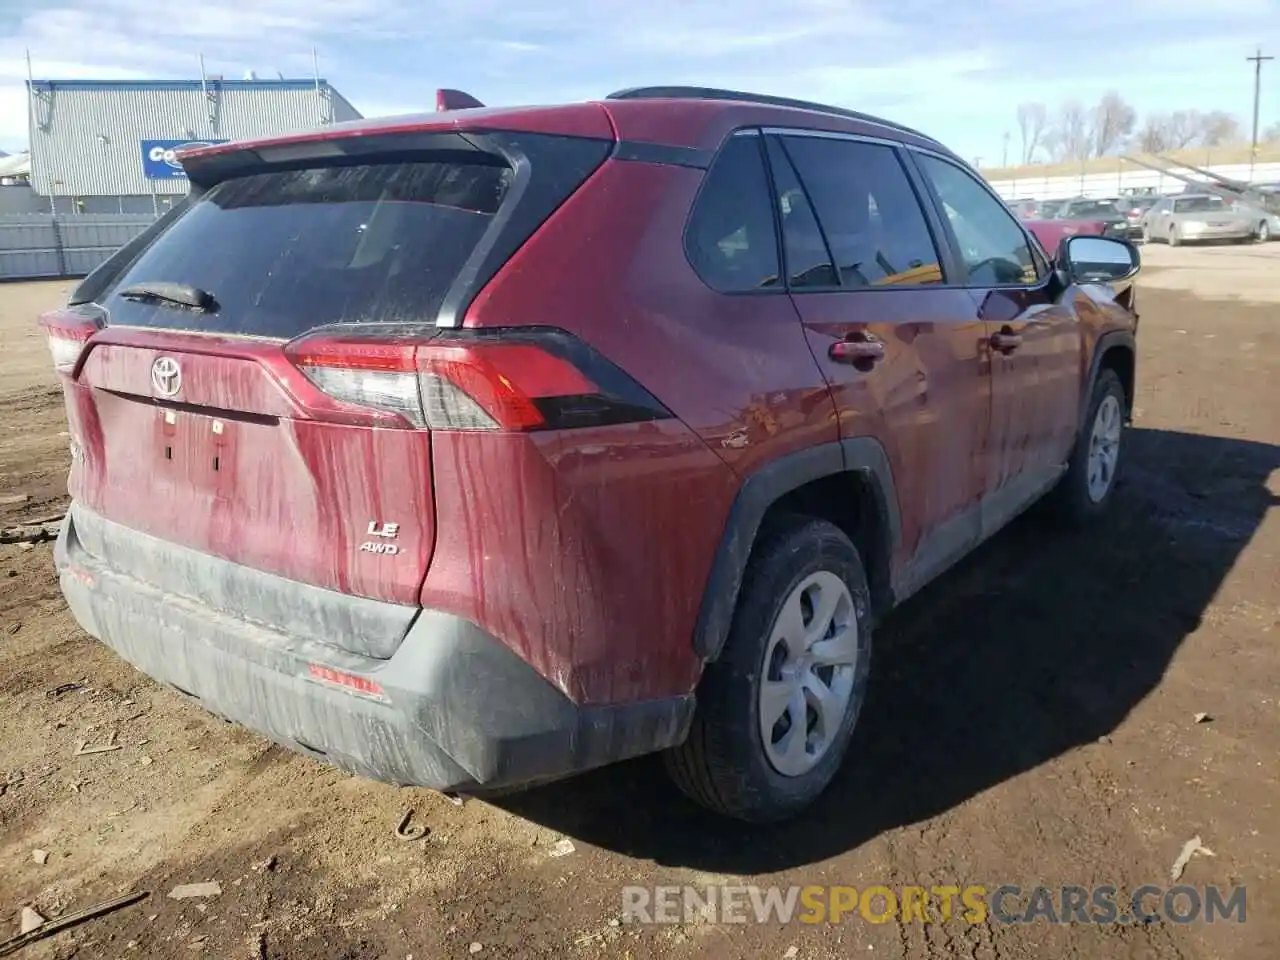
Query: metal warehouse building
{"x": 106, "y": 147}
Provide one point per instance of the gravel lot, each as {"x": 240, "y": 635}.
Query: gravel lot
{"x": 1031, "y": 720}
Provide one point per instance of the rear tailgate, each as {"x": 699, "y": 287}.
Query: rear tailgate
{"x": 197, "y": 425}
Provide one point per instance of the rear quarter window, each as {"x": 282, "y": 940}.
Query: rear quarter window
{"x": 285, "y": 251}
{"x": 731, "y": 240}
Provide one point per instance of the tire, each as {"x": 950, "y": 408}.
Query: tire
{"x": 725, "y": 764}
{"x": 1075, "y": 500}
{"x": 1146, "y": 235}
{"x": 1263, "y": 233}
{"x": 1174, "y": 239}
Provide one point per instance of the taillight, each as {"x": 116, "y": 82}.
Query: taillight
{"x": 517, "y": 379}
{"x": 67, "y": 331}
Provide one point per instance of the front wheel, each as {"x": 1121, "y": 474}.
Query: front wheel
{"x": 776, "y": 711}
{"x": 1174, "y": 239}
{"x": 1086, "y": 488}
{"x": 1263, "y": 233}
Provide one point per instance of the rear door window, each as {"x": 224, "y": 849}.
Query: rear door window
{"x": 731, "y": 239}
{"x": 282, "y": 252}
{"x": 868, "y": 211}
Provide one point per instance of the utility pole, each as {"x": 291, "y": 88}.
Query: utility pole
{"x": 1257, "y": 60}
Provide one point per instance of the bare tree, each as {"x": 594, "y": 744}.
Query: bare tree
{"x": 1161, "y": 132}
{"x": 1184, "y": 128}
{"x": 1152, "y": 137}
{"x": 1032, "y": 120}
{"x": 1068, "y": 136}
{"x": 1217, "y": 127}
{"x": 1110, "y": 123}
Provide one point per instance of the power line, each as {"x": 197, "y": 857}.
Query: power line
{"x": 1257, "y": 60}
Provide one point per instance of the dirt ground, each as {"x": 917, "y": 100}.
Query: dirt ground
{"x": 1031, "y": 721}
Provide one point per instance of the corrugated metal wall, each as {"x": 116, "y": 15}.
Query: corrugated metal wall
{"x": 43, "y": 245}
{"x": 86, "y": 137}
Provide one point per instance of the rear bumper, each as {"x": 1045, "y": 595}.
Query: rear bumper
{"x": 1218, "y": 233}
{"x": 458, "y": 710}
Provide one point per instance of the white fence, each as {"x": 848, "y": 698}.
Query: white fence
{"x": 1125, "y": 176}
{"x": 40, "y": 245}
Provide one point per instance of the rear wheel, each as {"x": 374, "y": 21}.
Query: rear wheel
{"x": 1087, "y": 486}
{"x": 776, "y": 711}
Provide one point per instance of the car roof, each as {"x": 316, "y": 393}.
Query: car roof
{"x": 699, "y": 118}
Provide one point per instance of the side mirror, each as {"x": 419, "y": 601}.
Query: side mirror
{"x": 1087, "y": 259}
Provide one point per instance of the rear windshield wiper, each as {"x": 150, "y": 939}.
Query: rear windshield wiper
{"x": 176, "y": 294}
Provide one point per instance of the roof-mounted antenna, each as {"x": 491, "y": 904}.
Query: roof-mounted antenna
{"x": 447, "y": 99}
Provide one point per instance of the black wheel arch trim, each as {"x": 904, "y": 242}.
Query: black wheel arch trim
{"x": 760, "y": 491}
{"x": 1115, "y": 338}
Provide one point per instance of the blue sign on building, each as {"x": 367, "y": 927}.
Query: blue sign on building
{"x": 159, "y": 161}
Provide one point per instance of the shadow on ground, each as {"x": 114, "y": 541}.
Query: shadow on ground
{"x": 1040, "y": 642}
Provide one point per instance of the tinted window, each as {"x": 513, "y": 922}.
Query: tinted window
{"x": 991, "y": 242}
{"x": 1094, "y": 208}
{"x": 286, "y": 251}
{"x": 1199, "y": 205}
{"x": 731, "y": 240}
{"x": 868, "y": 211}
{"x": 808, "y": 258}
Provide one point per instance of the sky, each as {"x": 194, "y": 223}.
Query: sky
{"x": 955, "y": 69}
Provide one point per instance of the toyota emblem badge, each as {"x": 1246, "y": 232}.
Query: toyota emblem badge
{"x": 166, "y": 376}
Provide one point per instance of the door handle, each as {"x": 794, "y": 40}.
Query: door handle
{"x": 862, "y": 352}
{"x": 1006, "y": 341}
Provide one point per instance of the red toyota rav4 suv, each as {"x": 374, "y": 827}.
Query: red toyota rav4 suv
{"x": 474, "y": 449}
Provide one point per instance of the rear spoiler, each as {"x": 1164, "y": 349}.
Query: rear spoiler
{"x": 447, "y": 99}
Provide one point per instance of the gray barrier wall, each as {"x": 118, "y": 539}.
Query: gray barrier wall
{"x": 35, "y": 245}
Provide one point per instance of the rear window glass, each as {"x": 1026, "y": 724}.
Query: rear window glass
{"x": 285, "y": 251}
{"x": 1093, "y": 208}
{"x": 1199, "y": 205}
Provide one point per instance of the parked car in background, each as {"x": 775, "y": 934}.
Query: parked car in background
{"x": 1266, "y": 222}
{"x": 1106, "y": 210}
{"x": 1197, "y": 217}
{"x": 1051, "y": 233}
{"x": 1134, "y": 209}
{"x": 466, "y": 463}
{"x": 1048, "y": 209}
{"x": 1026, "y": 209}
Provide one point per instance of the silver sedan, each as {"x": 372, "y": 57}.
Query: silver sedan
{"x": 1189, "y": 218}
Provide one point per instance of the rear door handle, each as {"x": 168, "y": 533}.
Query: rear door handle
{"x": 1006, "y": 341}
{"x": 866, "y": 351}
